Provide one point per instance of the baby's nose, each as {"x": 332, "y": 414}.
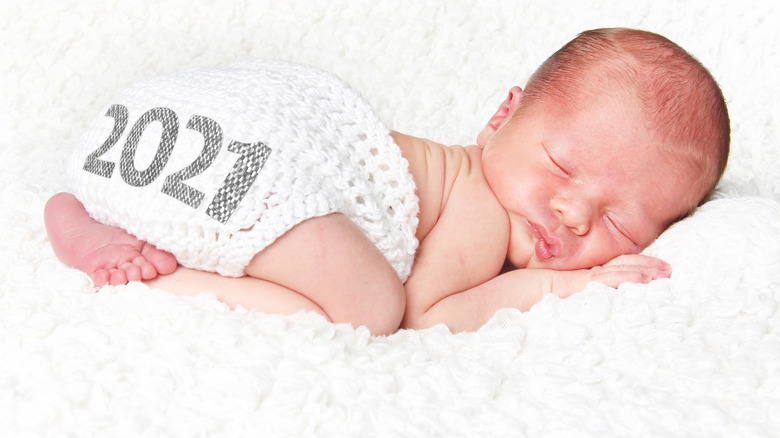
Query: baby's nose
{"x": 573, "y": 213}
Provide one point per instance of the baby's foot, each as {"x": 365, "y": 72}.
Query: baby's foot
{"x": 109, "y": 255}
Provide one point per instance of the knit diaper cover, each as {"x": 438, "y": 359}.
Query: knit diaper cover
{"x": 213, "y": 165}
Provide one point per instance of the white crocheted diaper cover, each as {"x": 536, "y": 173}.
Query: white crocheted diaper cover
{"x": 213, "y": 165}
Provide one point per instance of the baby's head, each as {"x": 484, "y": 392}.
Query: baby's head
{"x": 681, "y": 102}
{"x": 617, "y": 135}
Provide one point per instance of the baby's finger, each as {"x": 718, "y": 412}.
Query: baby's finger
{"x": 615, "y": 278}
{"x": 654, "y": 271}
{"x": 633, "y": 259}
{"x": 638, "y": 260}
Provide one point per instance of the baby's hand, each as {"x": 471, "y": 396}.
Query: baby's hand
{"x": 630, "y": 268}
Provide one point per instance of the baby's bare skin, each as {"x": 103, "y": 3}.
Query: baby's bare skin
{"x": 466, "y": 234}
{"x": 109, "y": 255}
{"x": 566, "y": 188}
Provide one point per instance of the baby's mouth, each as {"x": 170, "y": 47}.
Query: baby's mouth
{"x": 545, "y": 246}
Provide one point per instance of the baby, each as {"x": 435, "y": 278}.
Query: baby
{"x": 616, "y": 136}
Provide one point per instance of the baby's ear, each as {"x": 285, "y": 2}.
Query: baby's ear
{"x": 507, "y": 107}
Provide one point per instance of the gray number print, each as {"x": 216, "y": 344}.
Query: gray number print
{"x": 127, "y": 169}
{"x": 252, "y": 158}
{"x": 212, "y": 143}
{"x": 106, "y": 168}
{"x": 240, "y": 178}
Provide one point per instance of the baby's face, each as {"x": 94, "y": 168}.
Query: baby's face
{"x": 584, "y": 188}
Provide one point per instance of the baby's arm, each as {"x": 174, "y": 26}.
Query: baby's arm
{"x": 464, "y": 234}
{"x": 522, "y": 288}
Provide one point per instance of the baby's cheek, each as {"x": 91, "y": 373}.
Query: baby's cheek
{"x": 599, "y": 251}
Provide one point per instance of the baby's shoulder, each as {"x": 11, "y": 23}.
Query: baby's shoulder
{"x": 472, "y": 227}
{"x": 457, "y": 204}
{"x": 449, "y": 181}
{"x": 472, "y": 199}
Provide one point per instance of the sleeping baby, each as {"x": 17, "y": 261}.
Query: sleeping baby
{"x": 278, "y": 188}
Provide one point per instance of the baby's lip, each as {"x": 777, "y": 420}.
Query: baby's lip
{"x": 546, "y": 246}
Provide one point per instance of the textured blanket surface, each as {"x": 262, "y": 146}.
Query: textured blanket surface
{"x": 694, "y": 355}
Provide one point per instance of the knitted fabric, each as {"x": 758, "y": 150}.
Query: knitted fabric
{"x": 213, "y": 165}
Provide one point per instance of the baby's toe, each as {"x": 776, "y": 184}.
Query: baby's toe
{"x": 162, "y": 261}
{"x": 148, "y": 270}
{"x": 133, "y": 272}
{"x": 100, "y": 277}
{"x": 118, "y": 277}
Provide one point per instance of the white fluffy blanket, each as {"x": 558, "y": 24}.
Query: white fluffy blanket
{"x": 695, "y": 355}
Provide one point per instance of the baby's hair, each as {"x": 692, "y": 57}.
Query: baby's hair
{"x": 680, "y": 98}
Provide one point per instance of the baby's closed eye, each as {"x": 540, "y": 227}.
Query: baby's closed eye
{"x": 617, "y": 227}
{"x": 557, "y": 166}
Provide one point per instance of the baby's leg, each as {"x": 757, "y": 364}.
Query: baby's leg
{"x": 330, "y": 261}
{"x": 323, "y": 264}
{"x": 249, "y": 292}
{"x": 107, "y": 254}
{"x": 326, "y": 265}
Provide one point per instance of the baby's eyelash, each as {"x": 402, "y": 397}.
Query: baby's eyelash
{"x": 560, "y": 167}
{"x": 616, "y": 225}
{"x": 557, "y": 164}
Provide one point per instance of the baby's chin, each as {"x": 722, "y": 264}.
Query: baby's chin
{"x": 519, "y": 259}
{"x": 536, "y": 263}
{"x": 529, "y": 260}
